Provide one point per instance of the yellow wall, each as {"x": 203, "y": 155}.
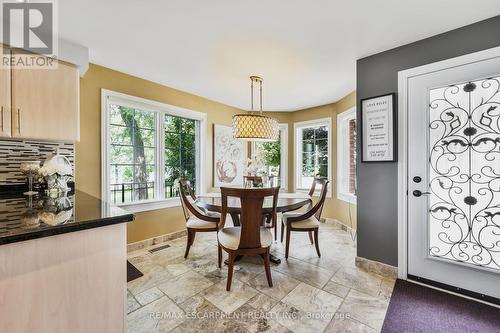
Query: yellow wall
{"x": 88, "y": 150}
{"x": 334, "y": 208}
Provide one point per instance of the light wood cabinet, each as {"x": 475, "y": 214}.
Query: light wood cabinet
{"x": 5, "y": 103}
{"x": 39, "y": 103}
{"x": 45, "y": 103}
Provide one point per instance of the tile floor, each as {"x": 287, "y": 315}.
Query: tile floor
{"x": 310, "y": 294}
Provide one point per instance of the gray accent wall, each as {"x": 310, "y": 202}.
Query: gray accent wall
{"x": 377, "y": 75}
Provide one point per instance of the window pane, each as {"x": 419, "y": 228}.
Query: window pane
{"x": 145, "y": 119}
{"x": 180, "y": 152}
{"x": 322, "y": 145}
{"x": 314, "y": 159}
{"x": 121, "y": 154}
{"x": 115, "y": 116}
{"x": 146, "y": 136}
{"x": 321, "y": 132}
{"x": 121, "y": 174}
{"x": 188, "y": 127}
{"x": 132, "y": 154}
{"x": 307, "y": 133}
{"x": 120, "y": 134}
{"x": 308, "y": 146}
{"x": 172, "y": 140}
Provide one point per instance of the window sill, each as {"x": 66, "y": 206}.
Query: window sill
{"x": 347, "y": 197}
{"x": 316, "y": 193}
{"x": 146, "y": 206}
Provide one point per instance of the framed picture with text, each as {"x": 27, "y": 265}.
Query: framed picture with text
{"x": 378, "y": 129}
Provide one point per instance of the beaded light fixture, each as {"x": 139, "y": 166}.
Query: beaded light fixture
{"x": 252, "y": 126}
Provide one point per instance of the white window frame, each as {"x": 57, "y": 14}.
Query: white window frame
{"x": 343, "y": 120}
{"x": 108, "y": 97}
{"x": 283, "y": 128}
{"x": 297, "y": 154}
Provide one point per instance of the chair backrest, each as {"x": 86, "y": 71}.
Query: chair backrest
{"x": 187, "y": 207}
{"x": 313, "y": 186}
{"x": 318, "y": 207}
{"x": 251, "y": 216}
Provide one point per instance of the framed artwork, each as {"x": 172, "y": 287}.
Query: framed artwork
{"x": 378, "y": 129}
{"x": 230, "y": 157}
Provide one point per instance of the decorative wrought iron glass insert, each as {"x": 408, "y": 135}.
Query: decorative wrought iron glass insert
{"x": 464, "y": 170}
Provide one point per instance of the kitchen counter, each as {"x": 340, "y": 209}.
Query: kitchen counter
{"x": 22, "y": 218}
{"x": 63, "y": 264}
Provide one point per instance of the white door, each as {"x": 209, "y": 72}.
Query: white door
{"x": 453, "y": 170}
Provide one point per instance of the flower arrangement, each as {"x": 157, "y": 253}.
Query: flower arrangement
{"x": 54, "y": 167}
{"x": 257, "y": 164}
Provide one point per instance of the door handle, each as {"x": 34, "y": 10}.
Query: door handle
{"x": 418, "y": 193}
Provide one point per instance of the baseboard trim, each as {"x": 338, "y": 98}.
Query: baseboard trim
{"x": 155, "y": 240}
{"x": 377, "y": 267}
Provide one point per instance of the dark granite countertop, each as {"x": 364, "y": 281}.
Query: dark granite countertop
{"x": 23, "y": 219}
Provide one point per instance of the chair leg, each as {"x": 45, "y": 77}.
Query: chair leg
{"x": 276, "y": 232}
{"x": 230, "y": 265}
{"x": 287, "y": 246}
{"x": 267, "y": 265}
{"x": 189, "y": 242}
{"x": 282, "y": 231}
{"x": 311, "y": 237}
{"x": 219, "y": 255}
{"x": 316, "y": 243}
{"x": 192, "y": 237}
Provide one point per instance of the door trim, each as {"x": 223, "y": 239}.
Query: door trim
{"x": 403, "y": 77}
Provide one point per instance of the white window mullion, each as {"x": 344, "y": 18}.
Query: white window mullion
{"x": 160, "y": 156}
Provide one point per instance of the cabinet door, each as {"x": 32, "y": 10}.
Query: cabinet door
{"x": 5, "y": 124}
{"x": 45, "y": 103}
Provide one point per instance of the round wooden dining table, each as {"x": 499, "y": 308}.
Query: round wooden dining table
{"x": 287, "y": 202}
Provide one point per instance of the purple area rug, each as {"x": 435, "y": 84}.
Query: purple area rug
{"x": 414, "y": 308}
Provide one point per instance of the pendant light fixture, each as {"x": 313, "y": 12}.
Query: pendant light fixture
{"x": 255, "y": 126}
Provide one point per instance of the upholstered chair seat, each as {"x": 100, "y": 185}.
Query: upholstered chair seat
{"x": 230, "y": 237}
{"x": 310, "y": 222}
{"x": 194, "y": 222}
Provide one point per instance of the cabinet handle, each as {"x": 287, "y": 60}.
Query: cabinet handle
{"x": 19, "y": 120}
{"x": 2, "y": 119}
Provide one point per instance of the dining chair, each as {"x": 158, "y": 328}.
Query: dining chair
{"x": 308, "y": 221}
{"x": 196, "y": 221}
{"x": 250, "y": 238}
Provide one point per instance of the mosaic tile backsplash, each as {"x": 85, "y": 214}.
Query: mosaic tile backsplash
{"x": 13, "y": 152}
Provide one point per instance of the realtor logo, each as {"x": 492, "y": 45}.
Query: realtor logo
{"x": 30, "y": 26}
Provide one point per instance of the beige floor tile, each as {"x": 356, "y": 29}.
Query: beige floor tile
{"x": 305, "y": 272}
{"x": 359, "y": 279}
{"x": 282, "y": 284}
{"x": 348, "y": 326}
{"x": 336, "y": 289}
{"x": 308, "y": 298}
{"x": 132, "y": 303}
{"x": 229, "y": 301}
{"x": 161, "y": 315}
{"x": 148, "y": 296}
{"x": 369, "y": 310}
{"x": 184, "y": 286}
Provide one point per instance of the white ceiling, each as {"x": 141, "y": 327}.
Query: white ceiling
{"x": 306, "y": 50}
